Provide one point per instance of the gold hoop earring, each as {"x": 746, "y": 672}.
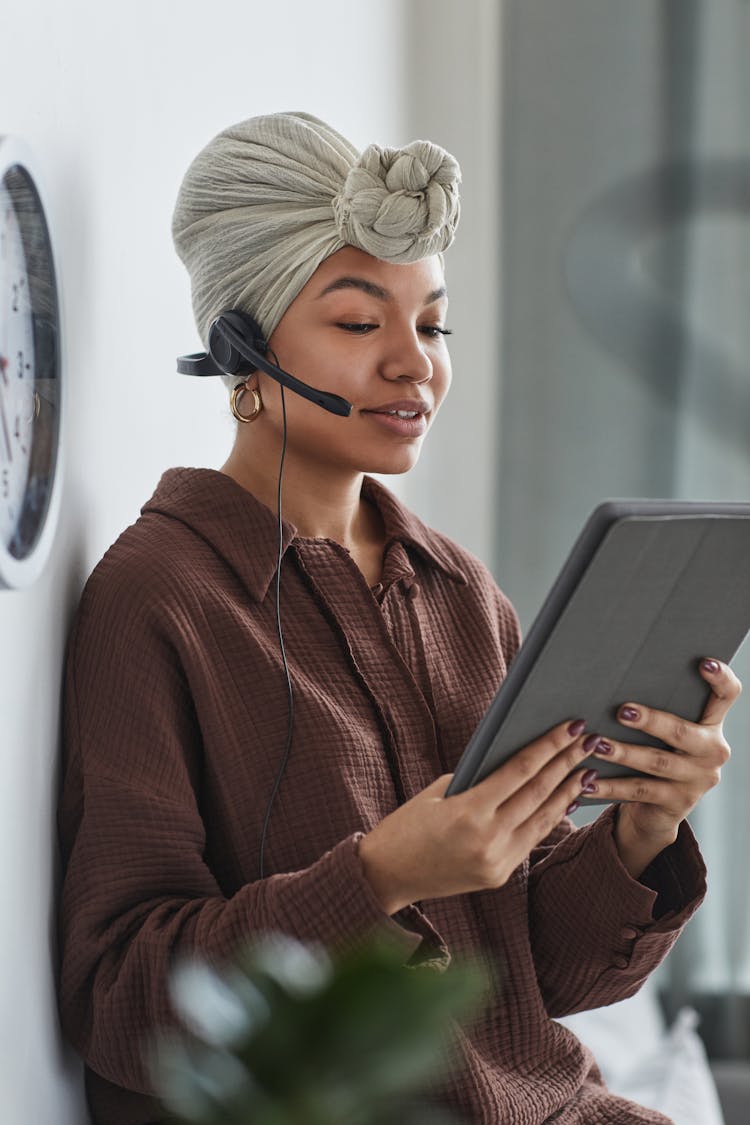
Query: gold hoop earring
{"x": 236, "y": 397}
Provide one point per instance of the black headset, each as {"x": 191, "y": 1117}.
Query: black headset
{"x": 236, "y": 347}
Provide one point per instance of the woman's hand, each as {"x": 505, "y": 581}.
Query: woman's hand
{"x": 434, "y": 846}
{"x": 677, "y": 779}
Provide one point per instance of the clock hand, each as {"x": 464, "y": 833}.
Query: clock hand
{"x": 5, "y": 431}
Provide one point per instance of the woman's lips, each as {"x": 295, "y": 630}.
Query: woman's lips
{"x": 404, "y": 427}
{"x": 406, "y": 417}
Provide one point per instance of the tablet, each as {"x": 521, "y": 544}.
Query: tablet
{"x": 649, "y": 588}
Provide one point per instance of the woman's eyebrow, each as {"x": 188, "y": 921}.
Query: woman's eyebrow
{"x": 374, "y": 290}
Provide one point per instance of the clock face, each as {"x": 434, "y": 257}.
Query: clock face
{"x": 29, "y": 371}
{"x": 16, "y": 373}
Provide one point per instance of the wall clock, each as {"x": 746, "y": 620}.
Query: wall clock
{"x": 30, "y": 371}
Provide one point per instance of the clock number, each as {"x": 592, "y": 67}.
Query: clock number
{"x": 18, "y": 435}
{"x": 5, "y": 484}
{"x": 19, "y": 365}
{"x": 17, "y": 287}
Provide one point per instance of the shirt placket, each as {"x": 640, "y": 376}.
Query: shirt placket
{"x": 404, "y": 714}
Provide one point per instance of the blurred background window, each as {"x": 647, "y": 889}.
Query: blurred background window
{"x": 600, "y": 290}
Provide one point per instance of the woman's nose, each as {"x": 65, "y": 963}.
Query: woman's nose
{"x": 406, "y": 358}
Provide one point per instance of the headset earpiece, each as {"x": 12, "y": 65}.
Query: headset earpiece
{"x": 233, "y": 333}
{"x": 223, "y": 351}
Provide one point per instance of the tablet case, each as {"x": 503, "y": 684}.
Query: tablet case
{"x": 649, "y": 588}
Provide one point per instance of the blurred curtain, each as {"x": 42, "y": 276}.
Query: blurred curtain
{"x": 626, "y": 340}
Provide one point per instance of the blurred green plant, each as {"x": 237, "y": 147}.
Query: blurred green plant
{"x": 286, "y": 1036}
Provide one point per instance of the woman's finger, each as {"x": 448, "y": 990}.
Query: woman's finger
{"x": 642, "y": 790}
{"x": 647, "y": 759}
{"x": 564, "y": 743}
{"x": 541, "y": 789}
{"x": 725, "y": 690}
{"x": 696, "y": 739}
{"x": 680, "y": 733}
{"x": 545, "y": 817}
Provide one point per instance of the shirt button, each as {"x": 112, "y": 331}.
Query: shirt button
{"x": 620, "y": 962}
{"x": 413, "y": 590}
{"x": 630, "y": 933}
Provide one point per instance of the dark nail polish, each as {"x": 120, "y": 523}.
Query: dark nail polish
{"x": 590, "y": 744}
{"x": 604, "y": 747}
{"x": 629, "y": 714}
{"x": 577, "y": 727}
{"x": 589, "y": 778}
{"x": 592, "y": 788}
{"x": 572, "y": 808}
{"x": 710, "y": 666}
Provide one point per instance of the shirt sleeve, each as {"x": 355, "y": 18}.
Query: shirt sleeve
{"x": 596, "y": 932}
{"x": 138, "y": 887}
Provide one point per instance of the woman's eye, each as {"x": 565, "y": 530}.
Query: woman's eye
{"x": 359, "y": 329}
{"x": 430, "y": 330}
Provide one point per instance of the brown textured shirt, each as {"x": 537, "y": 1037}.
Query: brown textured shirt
{"x": 175, "y": 723}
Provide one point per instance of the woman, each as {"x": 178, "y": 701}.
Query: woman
{"x": 396, "y": 638}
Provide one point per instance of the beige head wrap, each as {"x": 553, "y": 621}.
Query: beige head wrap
{"x": 268, "y": 199}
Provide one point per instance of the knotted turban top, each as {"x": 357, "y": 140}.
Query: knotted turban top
{"x": 268, "y": 199}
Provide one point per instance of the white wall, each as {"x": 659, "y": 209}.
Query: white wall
{"x": 453, "y": 56}
{"x": 115, "y": 101}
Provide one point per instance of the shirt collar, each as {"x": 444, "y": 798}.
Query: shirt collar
{"x": 245, "y": 532}
{"x": 402, "y": 525}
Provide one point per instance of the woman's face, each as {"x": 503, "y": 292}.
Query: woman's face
{"x": 369, "y": 331}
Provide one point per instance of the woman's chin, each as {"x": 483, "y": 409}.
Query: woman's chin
{"x": 392, "y": 465}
